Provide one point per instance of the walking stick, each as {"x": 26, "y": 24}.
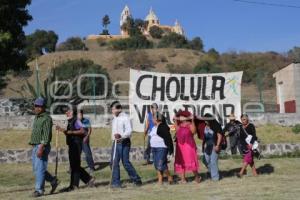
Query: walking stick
{"x": 113, "y": 161}
{"x": 56, "y": 147}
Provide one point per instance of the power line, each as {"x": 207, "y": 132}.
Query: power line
{"x": 268, "y": 4}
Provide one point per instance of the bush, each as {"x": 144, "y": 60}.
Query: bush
{"x": 173, "y": 40}
{"x": 137, "y": 60}
{"x": 179, "y": 69}
{"x": 296, "y": 129}
{"x": 156, "y": 32}
{"x": 163, "y": 58}
{"x": 101, "y": 42}
{"x": 134, "y": 42}
{"x": 39, "y": 40}
{"x": 72, "y": 43}
{"x": 196, "y": 44}
{"x": 70, "y": 69}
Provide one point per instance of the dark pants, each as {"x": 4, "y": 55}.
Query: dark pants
{"x": 77, "y": 172}
{"x": 88, "y": 154}
{"x": 147, "y": 153}
{"x": 234, "y": 145}
{"x": 122, "y": 153}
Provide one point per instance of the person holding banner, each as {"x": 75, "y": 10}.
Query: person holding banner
{"x": 148, "y": 127}
{"x": 74, "y": 136}
{"x": 211, "y": 145}
{"x": 186, "y": 159}
{"x": 40, "y": 140}
{"x": 247, "y": 131}
{"x": 161, "y": 145}
{"x": 121, "y": 133}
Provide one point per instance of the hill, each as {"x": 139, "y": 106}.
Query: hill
{"x": 117, "y": 63}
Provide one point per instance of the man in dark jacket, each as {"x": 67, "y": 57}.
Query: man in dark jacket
{"x": 74, "y": 136}
{"x": 232, "y": 129}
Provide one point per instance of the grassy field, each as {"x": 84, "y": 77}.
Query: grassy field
{"x": 279, "y": 179}
{"x": 16, "y": 139}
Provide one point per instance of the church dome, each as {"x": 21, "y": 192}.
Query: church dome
{"x": 151, "y": 16}
{"x": 178, "y": 28}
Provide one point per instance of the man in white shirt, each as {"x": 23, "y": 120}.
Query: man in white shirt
{"x": 121, "y": 132}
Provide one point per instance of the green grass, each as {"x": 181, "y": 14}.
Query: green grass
{"x": 279, "y": 179}
{"x": 18, "y": 139}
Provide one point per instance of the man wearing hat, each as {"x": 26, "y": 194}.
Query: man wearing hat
{"x": 232, "y": 129}
{"x": 40, "y": 140}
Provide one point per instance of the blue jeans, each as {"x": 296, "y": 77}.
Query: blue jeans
{"x": 39, "y": 166}
{"x": 160, "y": 159}
{"x": 211, "y": 158}
{"x": 122, "y": 153}
{"x": 147, "y": 153}
{"x": 88, "y": 155}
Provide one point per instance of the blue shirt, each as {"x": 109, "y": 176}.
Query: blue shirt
{"x": 86, "y": 124}
{"x": 150, "y": 121}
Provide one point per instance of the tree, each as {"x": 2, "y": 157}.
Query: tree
{"x": 294, "y": 54}
{"x": 156, "y": 32}
{"x": 196, "y": 44}
{"x": 72, "y": 43}
{"x": 173, "y": 40}
{"x": 13, "y": 17}
{"x": 134, "y": 27}
{"x": 105, "y": 23}
{"x": 39, "y": 40}
{"x": 213, "y": 53}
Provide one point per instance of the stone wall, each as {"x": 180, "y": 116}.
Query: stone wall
{"x": 25, "y": 122}
{"x": 103, "y": 154}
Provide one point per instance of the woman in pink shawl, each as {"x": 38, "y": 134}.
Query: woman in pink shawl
{"x": 186, "y": 159}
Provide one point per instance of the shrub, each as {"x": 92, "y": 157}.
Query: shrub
{"x": 72, "y": 43}
{"x": 137, "y": 60}
{"x": 296, "y": 129}
{"x": 173, "y": 40}
{"x": 156, "y": 32}
{"x": 134, "y": 42}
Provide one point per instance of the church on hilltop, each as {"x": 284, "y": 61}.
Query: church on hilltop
{"x": 151, "y": 20}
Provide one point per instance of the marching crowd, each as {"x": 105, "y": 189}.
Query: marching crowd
{"x": 242, "y": 136}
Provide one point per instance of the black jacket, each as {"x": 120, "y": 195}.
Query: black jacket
{"x": 250, "y": 130}
{"x": 233, "y": 129}
{"x": 163, "y": 131}
{"x": 71, "y": 127}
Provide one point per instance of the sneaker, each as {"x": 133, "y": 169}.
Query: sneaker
{"x": 37, "y": 194}
{"x": 54, "y": 185}
{"x": 117, "y": 186}
{"x": 91, "y": 183}
{"x": 138, "y": 183}
{"x": 238, "y": 175}
{"x": 69, "y": 189}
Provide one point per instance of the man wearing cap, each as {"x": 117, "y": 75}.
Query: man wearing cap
{"x": 121, "y": 133}
{"x": 40, "y": 140}
{"x": 232, "y": 129}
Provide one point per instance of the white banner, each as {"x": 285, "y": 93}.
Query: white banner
{"x": 218, "y": 94}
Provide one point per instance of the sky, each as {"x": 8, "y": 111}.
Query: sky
{"x": 226, "y": 25}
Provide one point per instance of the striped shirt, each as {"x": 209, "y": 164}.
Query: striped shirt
{"x": 41, "y": 130}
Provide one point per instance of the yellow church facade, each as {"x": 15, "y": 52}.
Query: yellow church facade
{"x": 151, "y": 20}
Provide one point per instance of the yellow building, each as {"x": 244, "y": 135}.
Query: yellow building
{"x": 151, "y": 20}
